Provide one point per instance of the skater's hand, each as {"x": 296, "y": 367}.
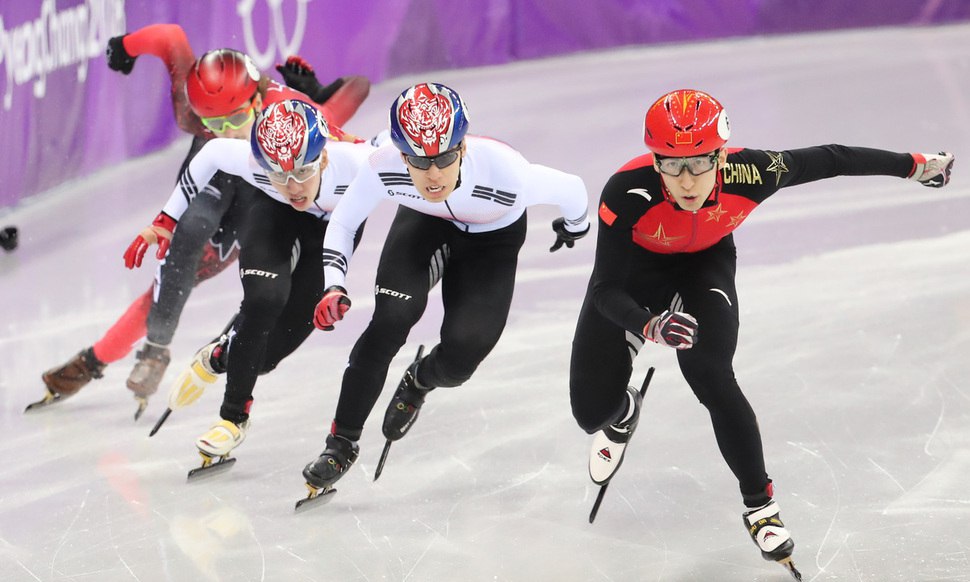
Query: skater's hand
{"x": 565, "y": 237}
{"x": 118, "y": 57}
{"x": 932, "y": 170}
{"x": 331, "y": 308}
{"x": 295, "y": 68}
{"x": 299, "y": 75}
{"x": 160, "y": 233}
{"x": 674, "y": 329}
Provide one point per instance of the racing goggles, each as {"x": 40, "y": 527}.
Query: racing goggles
{"x": 442, "y": 160}
{"x": 696, "y": 165}
{"x": 236, "y": 120}
{"x": 299, "y": 175}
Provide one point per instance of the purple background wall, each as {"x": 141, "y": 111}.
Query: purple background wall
{"x": 64, "y": 114}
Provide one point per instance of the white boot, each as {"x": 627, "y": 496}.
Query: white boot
{"x": 193, "y": 381}
{"x": 609, "y": 444}
{"x": 768, "y": 532}
{"x": 222, "y": 438}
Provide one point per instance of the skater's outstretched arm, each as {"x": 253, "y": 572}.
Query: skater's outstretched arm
{"x": 169, "y": 43}
{"x": 340, "y": 99}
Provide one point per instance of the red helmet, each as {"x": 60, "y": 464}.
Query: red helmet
{"x": 685, "y": 123}
{"x": 220, "y": 82}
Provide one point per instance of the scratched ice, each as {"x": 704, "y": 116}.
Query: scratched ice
{"x": 855, "y": 303}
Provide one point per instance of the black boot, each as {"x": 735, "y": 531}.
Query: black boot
{"x": 332, "y": 463}
{"x": 405, "y": 405}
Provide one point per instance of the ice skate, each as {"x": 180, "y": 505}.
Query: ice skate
{"x": 216, "y": 445}
{"x": 405, "y": 405}
{"x": 327, "y": 469}
{"x": 67, "y": 380}
{"x": 403, "y": 409}
{"x": 609, "y": 444}
{"x": 770, "y": 535}
{"x": 145, "y": 377}
{"x": 202, "y": 372}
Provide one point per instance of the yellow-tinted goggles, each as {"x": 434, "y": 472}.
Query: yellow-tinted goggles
{"x": 236, "y": 120}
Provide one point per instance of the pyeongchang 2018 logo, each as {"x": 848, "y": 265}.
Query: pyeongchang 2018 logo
{"x": 280, "y": 43}
{"x": 57, "y": 39}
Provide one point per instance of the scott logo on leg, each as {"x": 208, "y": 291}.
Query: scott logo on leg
{"x": 258, "y": 273}
{"x": 378, "y": 290}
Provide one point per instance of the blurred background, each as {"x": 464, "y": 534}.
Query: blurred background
{"x": 66, "y": 115}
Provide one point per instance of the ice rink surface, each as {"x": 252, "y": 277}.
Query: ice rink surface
{"x": 855, "y": 302}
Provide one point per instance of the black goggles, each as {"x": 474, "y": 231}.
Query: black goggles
{"x": 442, "y": 160}
{"x": 696, "y": 165}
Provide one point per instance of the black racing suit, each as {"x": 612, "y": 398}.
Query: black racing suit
{"x": 204, "y": 244}
{"x": 650, "y": 253}
{"x": 477, "y": 273}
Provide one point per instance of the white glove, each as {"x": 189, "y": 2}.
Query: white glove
{"x": 674, "y": 329}
{"x": 933, "y": 170}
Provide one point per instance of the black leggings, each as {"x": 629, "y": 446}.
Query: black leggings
{"x": 603, "y": 353}
{"x": 282, "y": 276}
{"x": 204, "y": 244}
{"x": 477, "y": 273}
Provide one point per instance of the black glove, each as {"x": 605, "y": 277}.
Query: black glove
{"x": 8, "y": 238}
{"x": 563, "y": 236}
{"x": 118, "y": 57}
{"x": 299, "y": 75}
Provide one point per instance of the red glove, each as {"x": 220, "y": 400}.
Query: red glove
{"x": 160, "y": 233}
{"x": 674, "y": 329}
{"x": 331, "y": 308}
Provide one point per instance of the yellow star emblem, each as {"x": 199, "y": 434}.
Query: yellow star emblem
{"x": 777, "y": 165}
{"x": 738, "y": 218}
{"x": 715, "y": 214}
{"x": 661, "y": 237}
